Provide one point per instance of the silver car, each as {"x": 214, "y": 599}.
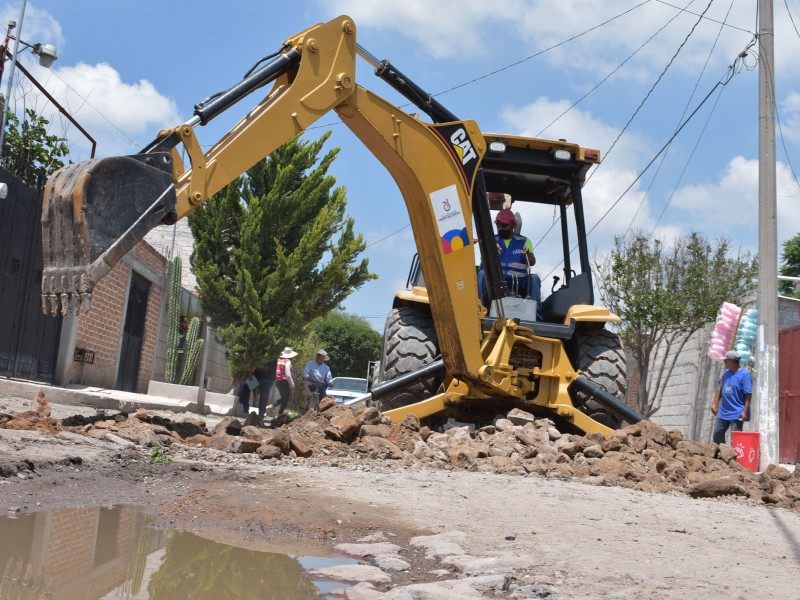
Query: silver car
{"x": 343, "y": 389}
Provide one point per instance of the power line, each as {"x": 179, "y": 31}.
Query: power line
{"x": 607, "y": 77}
{"x": 388, "y": 236}
{"x": 704, "y": 17}
{"x": 653, "y": 87}
{"x": 731, "y": 71}
{"x": 697, "y": 143}
{"x": 86, "y": 101}
{"x": 791, "y": 18}
{"x": 537, "y": 54}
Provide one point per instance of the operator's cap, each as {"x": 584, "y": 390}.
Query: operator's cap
{"x": 323, "y": 354}
{"x": 732, "y": 355}
{"x": 505, "y": 216}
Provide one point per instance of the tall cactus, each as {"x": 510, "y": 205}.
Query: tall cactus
{"x": 191, "y": 351}
{"x": 174, "y": 311}
{"x": 192, "y": 345}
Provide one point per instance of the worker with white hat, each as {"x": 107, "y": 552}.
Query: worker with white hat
{"x": 284, "y": 380}
{"x": 318, "y": 375}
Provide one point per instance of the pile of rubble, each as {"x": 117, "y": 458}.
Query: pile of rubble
{"x": 642, "y": 456}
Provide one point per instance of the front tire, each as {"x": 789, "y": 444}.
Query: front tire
{"x": 599, "y": 355}
{"x": 409, "y": 343}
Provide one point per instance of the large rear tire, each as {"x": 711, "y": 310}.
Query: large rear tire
{"x": 409, "y": 342}
{"x": 599, "y": 355}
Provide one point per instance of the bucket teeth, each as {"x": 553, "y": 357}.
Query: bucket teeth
{"x": 93, "y": 213}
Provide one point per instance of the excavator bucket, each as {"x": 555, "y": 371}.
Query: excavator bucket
{"x": 93, "y": 213}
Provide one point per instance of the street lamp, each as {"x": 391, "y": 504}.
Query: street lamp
{"x": 47, "y": 55}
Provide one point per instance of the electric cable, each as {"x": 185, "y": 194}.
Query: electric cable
{"x": 652, "y": 88}
{"x": 697, "y": 143}
{"x": 607, "y": 77}
{"x": 730, "y": 72}
{"x": 537, "y": 54}
{"x": 706, "y": 18}
{"x": 791, "y": 18}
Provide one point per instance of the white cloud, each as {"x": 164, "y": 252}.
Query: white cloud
{"x": 515, "y": 29}
{"x": 114, "y": 112}
{"x": 442, "y": 29}
{"x": 119, "y": 115}
{"x": 38, "y": 26}
{"x": 731, "y": 203}
{"x": 722, "y": 202}
{"x": 789, "y": 114}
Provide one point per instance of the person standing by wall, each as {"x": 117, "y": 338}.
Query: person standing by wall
{"x": 266, "y": 377}
{"x": 318, "y": 376}
{"x": 284, "y": 380}
{"x": 731, "y": 406}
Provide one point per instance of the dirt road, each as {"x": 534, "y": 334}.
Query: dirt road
{"x": 545, "y": 537}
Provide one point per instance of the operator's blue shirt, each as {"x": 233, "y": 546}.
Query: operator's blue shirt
{"x": 735, "y": 386}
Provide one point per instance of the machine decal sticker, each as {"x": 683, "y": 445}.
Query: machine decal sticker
{"x": 449, "y": 219}
{"x": 457, "y": 140}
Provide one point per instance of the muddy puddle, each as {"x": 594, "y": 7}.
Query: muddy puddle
{"x": 116, "y": 553}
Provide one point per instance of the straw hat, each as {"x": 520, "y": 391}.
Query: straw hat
{"x": 324, "y": 355}
{"x": 288, "y": 352}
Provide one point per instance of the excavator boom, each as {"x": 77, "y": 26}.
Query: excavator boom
{"x": 96, "y": 211}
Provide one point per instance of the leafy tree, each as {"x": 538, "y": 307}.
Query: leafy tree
{"x": 350, "y": 341}
{"x": 273, "y": 251}
{"x": 790, "y": 266}
{"x": 33, "y": 148}
{"x": 665, "y": 295}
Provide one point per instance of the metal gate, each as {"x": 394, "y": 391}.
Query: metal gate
{"x": 133, "y": 334}
{"x": 789, "y": 393}
{"x": 28, "y": 338}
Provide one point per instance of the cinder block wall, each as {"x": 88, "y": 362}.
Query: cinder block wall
{"x": 687, "y": 400}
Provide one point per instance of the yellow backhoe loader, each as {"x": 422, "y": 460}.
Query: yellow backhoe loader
{"x": 482, "y": 357}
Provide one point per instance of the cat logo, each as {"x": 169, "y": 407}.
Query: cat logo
{"x": 464, "y": 151}
{"x": 463, "y": 146}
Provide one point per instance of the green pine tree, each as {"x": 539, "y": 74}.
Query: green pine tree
{"x": 273, "y": 251}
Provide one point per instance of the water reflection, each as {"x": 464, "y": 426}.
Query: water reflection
{"x": 115, "y": 553}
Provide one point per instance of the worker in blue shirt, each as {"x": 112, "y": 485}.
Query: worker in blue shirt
{"x": 318, "y": 375}
{"x": 731, "y": 406}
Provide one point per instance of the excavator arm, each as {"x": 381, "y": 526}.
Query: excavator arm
{"x": 96, "y": 211}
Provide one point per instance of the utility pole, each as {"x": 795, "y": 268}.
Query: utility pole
{"x": 766, "y": 398}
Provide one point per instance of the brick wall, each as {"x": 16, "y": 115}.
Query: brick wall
{"x": 101, "y": 329}
{"x": 70, "y": 548}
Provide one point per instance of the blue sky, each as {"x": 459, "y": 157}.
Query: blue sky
{"x": 127, "y": 69}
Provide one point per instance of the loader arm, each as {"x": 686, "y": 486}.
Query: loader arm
{"x": 96, "y": 211}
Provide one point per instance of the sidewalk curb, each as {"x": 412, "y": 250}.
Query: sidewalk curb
{"x": 106, "y": 399}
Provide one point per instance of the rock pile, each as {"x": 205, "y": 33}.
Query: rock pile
{"x": 642, "y": 456}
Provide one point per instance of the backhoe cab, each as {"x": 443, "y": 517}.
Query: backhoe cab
{"x": 477, "y": 363}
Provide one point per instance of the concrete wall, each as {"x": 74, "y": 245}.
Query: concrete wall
{"x": 175, "y": 240}
{"x": 687, "y": 400}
